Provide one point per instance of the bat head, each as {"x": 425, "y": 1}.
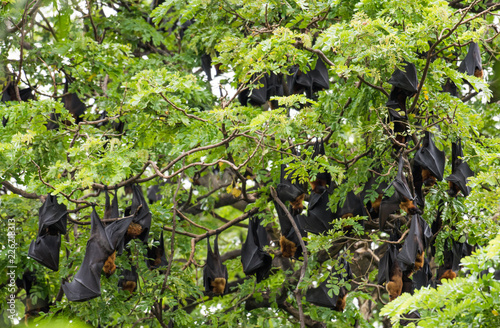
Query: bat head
{"x": 218, "y": 286}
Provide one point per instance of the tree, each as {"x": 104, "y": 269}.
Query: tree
{"x": 120, "y": 98}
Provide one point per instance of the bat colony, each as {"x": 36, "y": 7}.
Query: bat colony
{"x": 403, "y": 268}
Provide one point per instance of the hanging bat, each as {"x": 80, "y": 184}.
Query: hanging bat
{"x": 206, "y": 65}
{"x": 298, "y": 82}
{"x": 472, "y": 62}
{"x": 72, "y": 104}
{"x": 128, "y": 279}
{"x": 52, "y": 220}
{"x": 154, "y": 193}
{"x": 9, "y": 94}
{"x": 460, "y": 172}
{"x": 323, "y": 179}
{"x": 290, "y": 192}
{"x": 418, "y": 183}
{"x": 141, "y": 223}
{"x": 319, "y": 215}
{"x": 352, "y": 207}
{"x": 401, "y": 199}
{"x": 389, "y": 271}
{"x": 319, "y": 295}
{"x": 253, "y": 257}
{"x": 319, "y": 77}
{"x": 446, "y": 270}
{"x": 32, "y": 309}
{"x": 431, "y": 160}
{"x": 156, "y": 255}
{"x": 256, "y": 96}
{"x": 102, "y": 243}
{"x": 274, "y": 88}
{"x": 412, "y": 254}
{"x": 215, "y": 273}
{"x": 373, "y": 207}
{"x": 423, "y": 278}
{"x": 289, "y": 241}
{"x": 451, "y": 88}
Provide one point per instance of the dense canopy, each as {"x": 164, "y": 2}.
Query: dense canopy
{"x": 250, "y": 163}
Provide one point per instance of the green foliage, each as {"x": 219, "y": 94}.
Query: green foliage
{"x": 217, "y": 159}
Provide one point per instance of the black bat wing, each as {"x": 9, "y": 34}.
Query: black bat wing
{"x": 460, "y": 176}
{"x": 451, "y": 88}
{"x": 388, "y": 206}
{"x": 319, "y": 214}
{"x": 431, "y": 158}
{"x": 143, "y": 215}
{"x": 52, "y": 217}
{"x": 254, "y": 259}
{"x": 400, "y": 183}
{"x": 319, "y": 76}
{"x": 352, "y": 205}
{"x": 214, "y": 267}
{"x": 472, "y": 61}
{"x": 319, "y": 296}
{"x": 412, "y": 245}
{"x": 154, "y": 194}
{"x": 423, "y": 277}
{"x": 285, "y": 189}
{"x": 418, "y": 183}
{"x": 87, "y": 281}
{"x": 406, "y": 80}
{"x": 156, "y": 255}
{"x": 298, "y": 82}
{"x": 206, "y": 65}
{"x": 456, "y": 155}
{"x": 45, "y": 250}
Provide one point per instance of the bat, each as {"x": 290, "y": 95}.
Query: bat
{"x": 206, "y": 65}
{"x": 450, "y": 87}
{"x": 319, "y": 215}
{"x": 52, "y": 220}
{"x": 401, "y": 199}
{"x": 319, "y": 77}
{"x": 373, "y": 207}
{"x": 460, "y": 172}
{"x": 117, "y": 125}
{"x": 404, "y": 82}
{"x": 319, "y": 295}
{"x": 128, "y": 279}
{"x": 418, "y": 183}
{"x": 452, "y": 256}
{"x": 423, "y": 278}
{"x": 290, "y": 192}
{"x": 323, "y": 179}
{"x": 274, "y": 88}
{"x": 447, "y": 270}
{"x": 141, "y": 223}
{"x": 156, "y": 255}
{"x": 253, "y": 257}
{"x": 472, "y": 62}
{"x": 289, "y": 241}
{"x": 102, "y": 243}
{"x": 215, "y": 273}
{"x": 352, "y": 207}
{"x": 431, "y": 160}
{"x": 72, "y": 104}
{"x": 32, "y": 309}
{"x": 256, "y": 96}
{"x": 311, "y": 82}
{"x": 154, "y": 193}
{"x": 9, "y": 94}
{"x": 411, "y": 256}
{"x": 389, "y": 271}
{"x": 298, "y": 82}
